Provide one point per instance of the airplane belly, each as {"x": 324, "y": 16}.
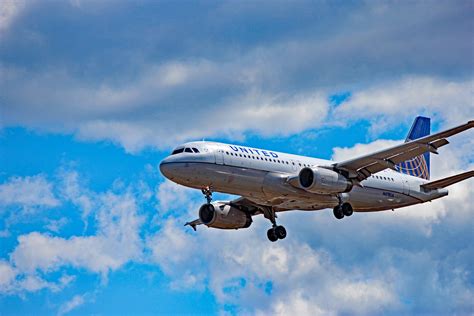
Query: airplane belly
{"x": 237, "y": 180}
{"x": 282, "y": 195}
{"x": 376, "y": 199}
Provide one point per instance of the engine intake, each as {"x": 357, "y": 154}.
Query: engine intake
{"x": 223, "y": 216}
{"x": 323, "y": 181}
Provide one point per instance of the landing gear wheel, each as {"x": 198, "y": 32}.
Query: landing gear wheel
{"x": 280, "y": 232}
{"x": 338, "y": 213}
{"x": 276, "y": 232}
{"x": 271, "y": 234}
{"x": 347, "y": 209}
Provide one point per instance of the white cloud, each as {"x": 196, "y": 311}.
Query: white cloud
{"x": 55, "y": 225}
{"x": 72, "y": 189}
{"x": 266, "y": 114}
{"x": 34, "y": 283}
{"x": 143, "y": 112}
{"x": 72, "y": 304}
{"x": 345, "y": 153}
{"x": 118, "y": 225}
{"x": 115, "y": 243}
{"x": 296, "y": 304}
{"x": 358, "y": 297}
{"x": 175, "y": 198}
{"x": 28, "y": 192}
{"x": 13, "y": 281}
{"x": 292, "y": 267}
{"x": 9, "y": 11}
{"x": 7, "y": 276}
{"x": 388, "y": 103}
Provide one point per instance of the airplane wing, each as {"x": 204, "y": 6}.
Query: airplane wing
{"x": 442, "y": 183}
{"x": 361, "y": 168}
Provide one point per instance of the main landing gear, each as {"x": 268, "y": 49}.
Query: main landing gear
{"x": 276, "y": 232}
{"x": 341, "y": 210}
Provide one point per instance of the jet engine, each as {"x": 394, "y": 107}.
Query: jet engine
{"x": 323, "y": 181}
{"x": 223, "y": 216}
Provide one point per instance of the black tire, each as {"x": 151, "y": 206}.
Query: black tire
{"x": 272, "y": 235}
{"x": 280, "y": 232}
{"x": 337, "y": 211}
{"x": 347, "y": 209}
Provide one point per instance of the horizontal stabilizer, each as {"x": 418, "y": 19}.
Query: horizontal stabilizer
{"x": 442, "y": 183}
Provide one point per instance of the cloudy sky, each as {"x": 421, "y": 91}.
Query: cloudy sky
{"x": 94, "y": 94}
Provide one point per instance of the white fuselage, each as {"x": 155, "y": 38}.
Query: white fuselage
{"x": 261, "y": 176}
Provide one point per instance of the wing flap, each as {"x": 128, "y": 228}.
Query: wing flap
{"x": 442, "y": 183}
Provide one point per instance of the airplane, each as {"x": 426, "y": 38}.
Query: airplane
{"x": 269, "y": 182}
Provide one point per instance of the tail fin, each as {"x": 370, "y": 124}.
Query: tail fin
{"x": 420, "y": 165}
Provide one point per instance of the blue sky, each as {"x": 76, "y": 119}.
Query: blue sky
{"x": 94, "y": 94}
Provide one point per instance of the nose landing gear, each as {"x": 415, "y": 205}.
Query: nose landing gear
{"x": 207, "y": 194}
{"x": 277, "y": 231}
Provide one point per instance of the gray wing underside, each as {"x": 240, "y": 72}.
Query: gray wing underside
{"x": 255, "y": 208}
{"x": 240, "y": 203}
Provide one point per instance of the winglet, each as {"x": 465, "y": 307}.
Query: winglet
{"x": 194, "y": 223}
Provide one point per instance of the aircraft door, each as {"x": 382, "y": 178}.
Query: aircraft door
{"x": 219, "y": 154}
{"x": 406, "y": 186}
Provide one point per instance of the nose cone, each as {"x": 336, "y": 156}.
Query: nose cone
{"x": 165, "y": 168}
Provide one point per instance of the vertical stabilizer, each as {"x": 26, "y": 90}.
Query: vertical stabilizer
{"x": 420, "y": 165}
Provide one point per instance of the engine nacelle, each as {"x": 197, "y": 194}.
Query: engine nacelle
{"x": 323, "y": 181}
{"x": 223, "y": 216}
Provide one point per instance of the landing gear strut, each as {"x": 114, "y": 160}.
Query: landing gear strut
{"x": 276, "y": 232}
{"x": 208, "y": 194}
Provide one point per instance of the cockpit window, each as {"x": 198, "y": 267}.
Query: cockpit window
{"x": 191, "y": 150}
{"x": 177, "y": 151}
